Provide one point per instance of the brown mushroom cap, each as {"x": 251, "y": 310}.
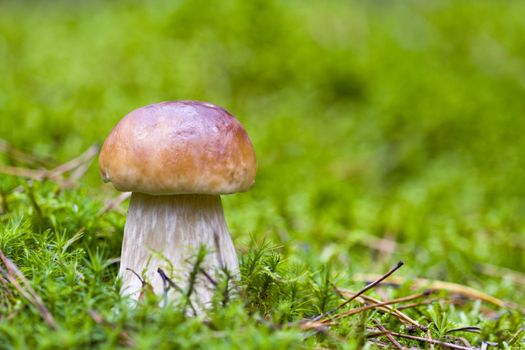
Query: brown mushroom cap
{"x": 179, "y": 147}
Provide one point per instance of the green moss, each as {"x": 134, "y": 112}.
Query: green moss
{"x": 395, "y": 120}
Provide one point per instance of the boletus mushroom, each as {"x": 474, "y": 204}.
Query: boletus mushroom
{"x": 177, "y": 158}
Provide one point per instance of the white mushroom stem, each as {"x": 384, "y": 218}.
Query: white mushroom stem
{"x": 167, "y": 232}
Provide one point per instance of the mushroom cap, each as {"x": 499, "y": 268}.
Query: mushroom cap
{"x": 179, "y": 147}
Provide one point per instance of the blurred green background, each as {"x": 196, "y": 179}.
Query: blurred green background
{"x": 402, "y": 120}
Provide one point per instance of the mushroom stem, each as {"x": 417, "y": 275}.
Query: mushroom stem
{"x": 167, "y": 232}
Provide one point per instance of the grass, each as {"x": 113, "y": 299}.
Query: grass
{"x": 384, "y": 132}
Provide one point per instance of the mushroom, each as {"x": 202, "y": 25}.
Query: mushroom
{"x": 177, "y": 158}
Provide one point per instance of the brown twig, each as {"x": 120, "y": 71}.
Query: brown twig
{"x": 413, "y": 305}
{"x": 449, "y": 287}
{"x": 385, "y": 306}
{"x": 36, "y": 174}
{"x": 379, "y": 343}
{"x": 429, "y": 335}
{"x": 168, "y": 280}
{"x": 368, "y": 287}
{"x": 21, "y": 156}
{"x": 5, "y": 284}
{"x": 422, "y": 339}
{"x": 145, "y": 286}
{"x": 77, "y": 174}
{"x": 114, "y": 203}
{"x": 208, "y": 277}
{"x": 465, "y": 342}
{"x": 87, "y": 156}
{"x": 388, "y": 335}
{"x": 358, "y": 310}
{"x": 13, "y": 274}
{"x": 136, "y": 275}
{"x": 316, "y": 326}
{"x": 78, "y": 165}
{"x": 470, "y": 329}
